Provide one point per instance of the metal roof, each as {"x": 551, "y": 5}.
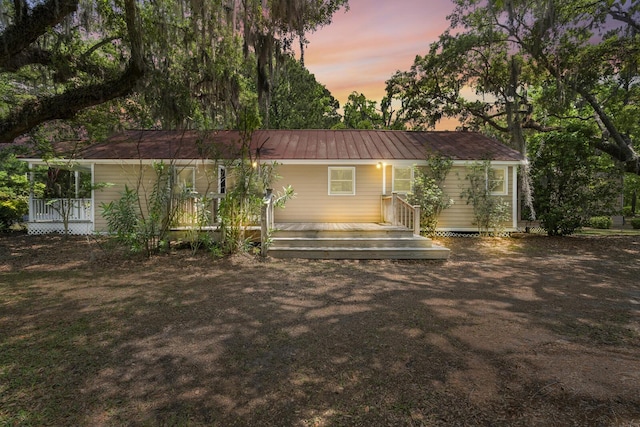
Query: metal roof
{"x": 301, "y": 145}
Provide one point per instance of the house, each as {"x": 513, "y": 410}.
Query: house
{"x": 339, "y": 176}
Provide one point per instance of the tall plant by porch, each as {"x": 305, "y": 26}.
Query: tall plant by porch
{"x": 428, "y": 191}
{"x": 143, "y": 230}
{"x": 489, "y": 211}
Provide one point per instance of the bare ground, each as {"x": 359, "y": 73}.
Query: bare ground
{"x": 528, "y": 331}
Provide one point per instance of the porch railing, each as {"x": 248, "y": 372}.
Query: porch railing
{"x": 54, "y": 210}
{"x": 267, "y": 222}
{"x": 192, "y": 211}
{"x": 397, "y": 211}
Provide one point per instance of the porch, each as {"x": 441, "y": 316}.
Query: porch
{"x": 53, "y": 215}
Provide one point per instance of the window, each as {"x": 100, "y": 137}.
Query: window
{"x": 402, "y": 179}
{"x": 497, "y": 181}
{"x": 342, "y": 181}
{"x": 222, "y": 180}
{"x": 184, "y": 179}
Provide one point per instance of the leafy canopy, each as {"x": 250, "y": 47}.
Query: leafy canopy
{"x": 512, "y": 68}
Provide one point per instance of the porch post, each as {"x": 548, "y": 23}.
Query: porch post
{"x": 76, "y": 178}
{"x": 416, "y": 220}
{"x": 394, "y": 204}
{"x": 31, "y": 210}
{"x": 264, "y": 227}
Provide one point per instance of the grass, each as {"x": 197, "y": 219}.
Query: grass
{"x": 608, "y": 232}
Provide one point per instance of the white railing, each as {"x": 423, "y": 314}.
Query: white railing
{"x": 192, "y": 211}
{"x": 267, "y": 222}
{"x": 54, "y": 210}
{"x": 397, "y": 211}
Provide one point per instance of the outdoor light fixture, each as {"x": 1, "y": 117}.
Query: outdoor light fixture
{"x": 379, "y": 165}
{"x": 254, "y": 164}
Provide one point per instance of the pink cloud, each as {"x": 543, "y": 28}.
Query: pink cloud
{"x": 364, "y": 47}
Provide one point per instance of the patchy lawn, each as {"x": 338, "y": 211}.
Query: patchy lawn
{"x": 528, "y": 331}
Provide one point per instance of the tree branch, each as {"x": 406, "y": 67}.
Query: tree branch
{"x": 27, "y": 57}
{"x": 66, "y": 105}
{"x": 622, "y": 147}
{"x": 30, "y": 26}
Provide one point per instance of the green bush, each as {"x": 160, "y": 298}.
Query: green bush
{"x": 635, "y": 223}
{"x": 601, "y": 222}
{"x": 626, "y": 211}
{"x": 11, "y": 211}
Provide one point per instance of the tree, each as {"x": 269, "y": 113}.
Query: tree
{"x": 14, "y": 189}
{"x": 271, "y": 27}
{"x": 361, "y": 113}
{"x": 299, "y": 101}
{"x": 581, "y": 58}
{"x": 180, "y": 64}
{"x": 44, "y": 42}
{"x": 572, "y": 183}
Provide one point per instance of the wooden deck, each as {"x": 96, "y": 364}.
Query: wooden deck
{"x": 351, "y": 241}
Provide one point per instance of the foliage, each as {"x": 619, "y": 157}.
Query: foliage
{"x": 489, "y": 211}
{"x": 14, "y": 190}
{"x": 174, "y": 64}
{"x": 517, "y": 68}
{"x": 122, "y": 217}
{"x": 428, "y": 191}
{"x": 630, "y": 192}
{"x": 241, "y": 206}
{"x": 601, "y": 222}
{"x": 143, "y": 228}
{"x": 635, "y": 223}
{"x": 363, "y": 113}
{"x": 571, "y": 182}
{"x": 299, "y": 101}
{"x": 63, "y": 56}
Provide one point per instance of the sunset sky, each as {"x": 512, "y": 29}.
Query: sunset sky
{"x": 365, "y": 46}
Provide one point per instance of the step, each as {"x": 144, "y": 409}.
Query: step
{"x": 350, "y": 242}
{"x": 435, "y": 252}
{"x": 343, "y": 233}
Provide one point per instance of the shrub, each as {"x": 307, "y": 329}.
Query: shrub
{"x": 489, "y": 211}
{"x": 571, "y": 181}
{"x": 626, "y": 211}
{"x": 11, "y": 211}
{"x": 635, "y": 223}
{"x": 427, "y": 192}
{"x": 601, "y": 222}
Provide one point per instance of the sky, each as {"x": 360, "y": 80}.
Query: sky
{"x": 365, "y": 46}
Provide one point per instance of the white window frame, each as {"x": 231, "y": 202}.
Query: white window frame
{"x": 353, "y": 181}
{"x": 505, "y": 179}
{"x": 393, "y": 179}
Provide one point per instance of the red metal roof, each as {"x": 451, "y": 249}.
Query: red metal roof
{"x": 301, "y": 145}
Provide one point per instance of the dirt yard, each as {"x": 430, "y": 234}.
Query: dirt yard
{"x": 522, "y": 331}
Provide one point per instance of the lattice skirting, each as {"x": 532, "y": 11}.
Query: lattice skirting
{"x": 76, "y": 228}
{"x": 466, "y": 234}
